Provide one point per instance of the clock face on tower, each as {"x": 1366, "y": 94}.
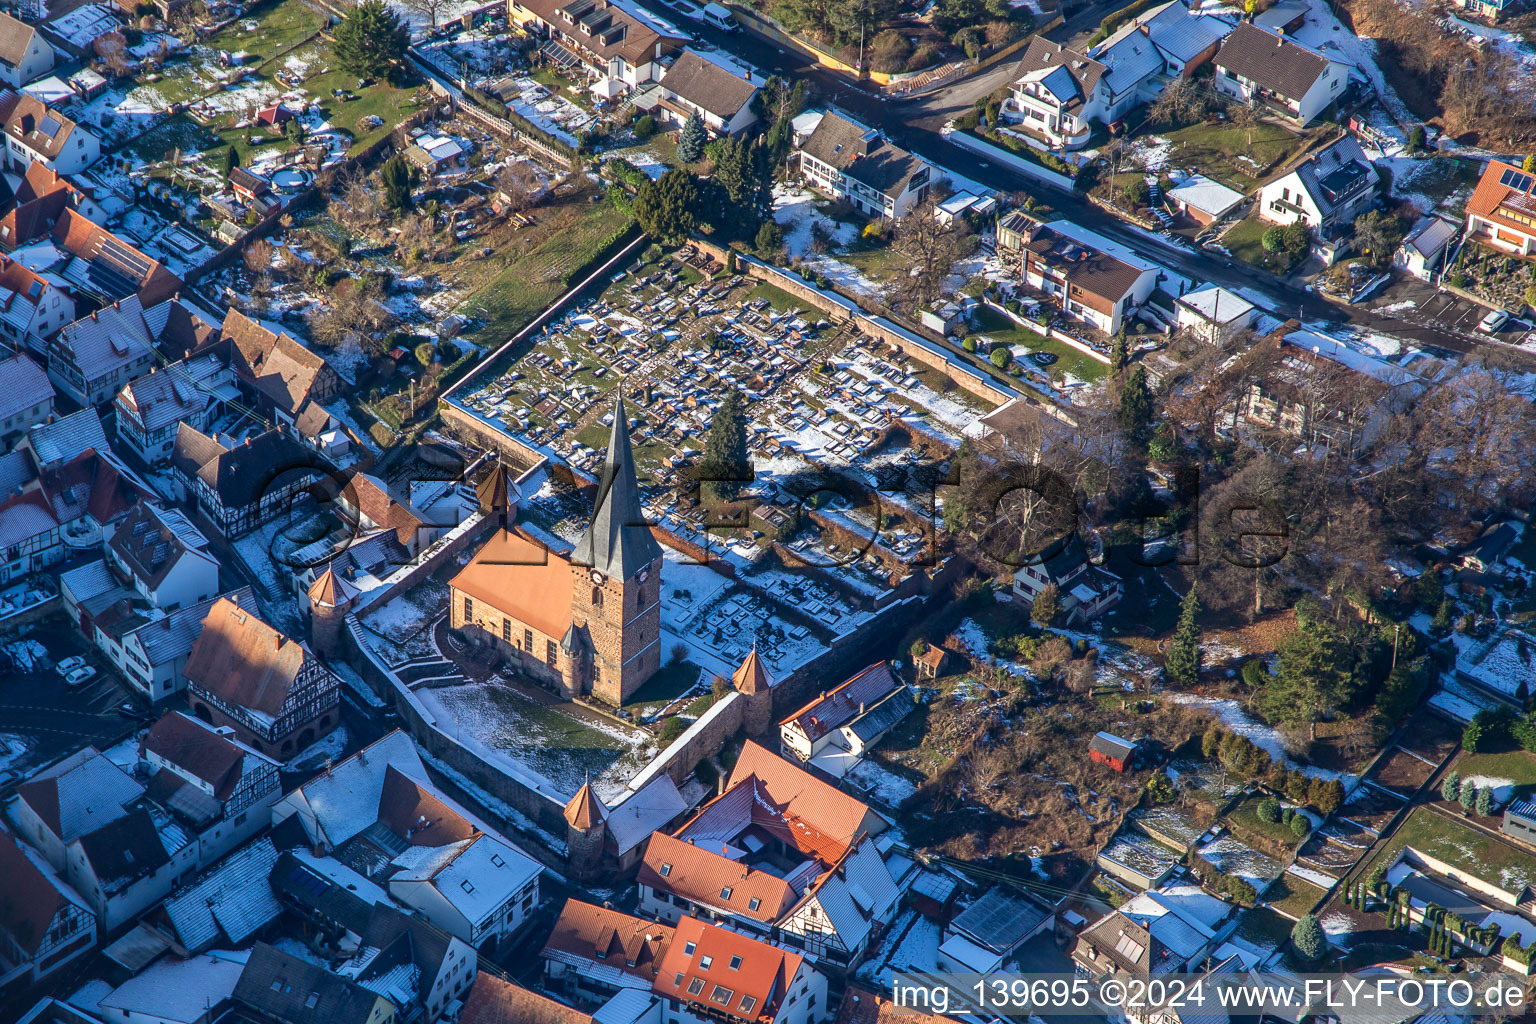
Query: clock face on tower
{"x": 597, "y": 577}
{"x": 643, "y": 574}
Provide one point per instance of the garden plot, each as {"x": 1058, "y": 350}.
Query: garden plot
{"x": 1328, "y": 855}
{"x": 1231, "y": 856}
{"x": 1206, "y": 778}
{"x": 880, "y": 783}
{"x": 1371, "y": 808}
{"x": 482, "y": 54}
{"x": 1431, "y": 737}
{"x": 1480, "y": 854}
{"x": 1167, "y": 823}
{"x": 1402, "y": 773}
{"x": 538, "y": 742}
{"x": 546, "y": 109}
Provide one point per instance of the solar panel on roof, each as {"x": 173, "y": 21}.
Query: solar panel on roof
{"x": 50, "y": 126}
{"x": 1515, "y": 179}
{"x": 308, "y": 880}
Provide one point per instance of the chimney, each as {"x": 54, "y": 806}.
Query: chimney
{"x": 720, "y": 786}
{"x": 277, "y": 642}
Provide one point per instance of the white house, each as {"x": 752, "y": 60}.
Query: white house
{"x": 1083, "y": 590}
{"x": 194, "y": 391}
{"x": 1213, "y": 314}
{"x": 26, "y": 396}
{"x": 35, "y": 131}
{"x": 459, "y": 874}
{"x": 24, "y": 53}
{"x": 1061, "y": 92}
{"x": 1268, "y": 68}
{"x": 716, "y": 88}
{"x": 851, "y": 161}
{"x": 32, "y": 307}
{"x": 834, "y": 731}
{"x": 1326, "y": 190}
{"x": 1502, "y": 210}
{"x": 477, "y": 889}
{"x": 163, "y": 558}
{"x": 1202, "y": 200}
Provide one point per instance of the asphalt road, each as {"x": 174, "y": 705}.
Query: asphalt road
{"x": 55, "y": 719}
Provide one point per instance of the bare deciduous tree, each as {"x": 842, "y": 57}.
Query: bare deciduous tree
{"x": 431, "y": 9}
{"x": 112, "y": 48}
{"x": 929, "y": 248}
{"x": 519, "y": 185}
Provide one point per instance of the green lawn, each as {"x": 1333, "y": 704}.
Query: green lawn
{"x": 1493, "y": 860}
{"x": 879, "y": 263}
{"x": 281, "y": 24}
{"x": 1069, "y": 360}
{"x": 778, "y": 298}
{"x": 1226, "y": 154}
{"x": 1244, "y": 240}
{"x": 179, "y": 132}
{"x": 1518, "y": 766}
{"x": 533, "y": 280}
{"x": 1245, "y": 819}
{"x": 1293, "y": 896}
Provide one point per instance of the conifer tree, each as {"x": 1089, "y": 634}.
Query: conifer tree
{"x": 370, "y": 40}
{"x": 1450, "y": 788}
{"x": 1183, "y": 664}
{"x": 1485, "y": 801}
{"x": 690, "y": 144}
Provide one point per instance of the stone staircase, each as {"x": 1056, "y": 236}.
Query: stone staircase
{"x": 1155, "y": 202}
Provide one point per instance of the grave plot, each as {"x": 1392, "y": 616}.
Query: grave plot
{"x": 1402, "y": 772}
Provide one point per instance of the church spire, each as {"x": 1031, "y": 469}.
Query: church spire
{"x": 619, "y": 541}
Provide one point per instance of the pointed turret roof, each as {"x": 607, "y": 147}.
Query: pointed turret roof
{"x": 497, "y": 492}
{"x": 329, "y": 589}
{"x": 585, "y": 810}
{"x": 619, "y": 541}
{"x": 751, "y": 677}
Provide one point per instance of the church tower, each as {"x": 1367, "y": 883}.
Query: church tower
{"x": 617, "y": 582}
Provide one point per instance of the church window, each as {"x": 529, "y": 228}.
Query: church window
{"x": 506, "y": 630}
{"x": 551, "y": 652}
{"x": 597, "y": 597}
{"x": 469, "y": 609}
{"x": 528, "y": 640}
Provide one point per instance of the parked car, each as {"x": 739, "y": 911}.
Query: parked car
{"x": 720, "y": 17}
{"x": 688, "y": 10}
{"x": 1491, "y": 323}
{"x": 68, "y": 665}
{"x": 79, "y": 676}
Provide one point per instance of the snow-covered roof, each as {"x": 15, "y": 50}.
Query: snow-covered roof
{"x": 345, "y": 800}
{"x": 1332, "y": 348}
{"x": 805, "y": 123}
{"x": 1094, "y": 240}
{"x": 1183, "y": 917}
{"x": 83, "y": 26}
{"x": 234, "y": 899}
{"x": 959, "y": 950}
{"x": 68, "y": 437}
{"x": 175, "y": 990}
{"x": 477, "y": 876}
{"x": 80, "y": 794}
{"x": 1205, "y": 195}
{"x": 1131, "y": 60}
{"x": 628, "y": 1006}
{"x": 633, "y": 819}
{"x": 1216, "y": 304}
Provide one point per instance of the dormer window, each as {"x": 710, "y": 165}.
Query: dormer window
{"x": 666, "y": 869}
{"x": 725, "y": 893}
{"x": 754, "y": 903}
{"x": 689, "y": 947}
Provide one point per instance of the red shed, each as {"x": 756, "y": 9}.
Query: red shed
{"x": 1109, "y": 749}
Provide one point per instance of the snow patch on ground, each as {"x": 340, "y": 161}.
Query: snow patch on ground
{"x": 1268, "y": 738}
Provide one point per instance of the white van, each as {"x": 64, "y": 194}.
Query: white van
{"x": 720, "y": 17}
